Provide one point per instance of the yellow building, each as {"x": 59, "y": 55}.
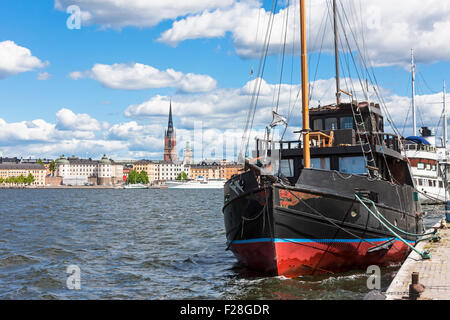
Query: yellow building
{"x": 230, "y": 170}
{"x": 147, "y": 166}
{"x": 214, "y": 170}
{"x": 8, "y": 170}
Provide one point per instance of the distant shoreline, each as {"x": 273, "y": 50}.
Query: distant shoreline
{"x": 73, "y": 187}
{"x": 64, "y": 187}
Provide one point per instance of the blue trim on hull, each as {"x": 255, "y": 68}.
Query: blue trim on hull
{"x": 264, "y": 240}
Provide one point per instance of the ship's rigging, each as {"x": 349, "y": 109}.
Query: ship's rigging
{"x": 353, "y": 67}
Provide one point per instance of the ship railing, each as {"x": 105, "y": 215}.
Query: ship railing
{"x": 385, "y": 140}
{"x": 420, "y": 147}
{"x": 262, "y": 145}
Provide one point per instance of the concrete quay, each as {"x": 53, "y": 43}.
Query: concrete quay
{"x": 433, "y": 274}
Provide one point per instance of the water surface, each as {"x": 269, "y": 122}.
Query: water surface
{"x": 139, "y": 244}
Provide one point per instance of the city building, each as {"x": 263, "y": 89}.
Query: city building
{"x": 147, "y": 166}
{"x": 170, "y": 141}
{"x": 231, "y": 169}
{"x": 167, "y": 171}
{"x": 9, "y": 160}
{"x": 214, "y": 170}
{"x": 76, "y": 172}
{"x": 161, "y": 171}
{"x": 206, "y": 170}
{"x": 44, "y": 161}
{"x": 13, "y": 169}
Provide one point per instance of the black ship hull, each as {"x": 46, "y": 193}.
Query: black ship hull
{"x": 317, "y": 225}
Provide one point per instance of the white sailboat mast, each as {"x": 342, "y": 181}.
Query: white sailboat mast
{"x": 445, "y": 117}
{"x": 413, "y": 75}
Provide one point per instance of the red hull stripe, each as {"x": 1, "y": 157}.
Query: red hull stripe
{"x": 293, "y": 258}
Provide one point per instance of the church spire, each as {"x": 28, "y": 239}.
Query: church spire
{"x": 170, "y": 130}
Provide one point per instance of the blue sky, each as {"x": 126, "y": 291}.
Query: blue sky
{"x": 206, "y": 45}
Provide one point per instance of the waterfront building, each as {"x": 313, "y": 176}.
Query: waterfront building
{"x": 46, "y": 163}
{"x": 231, "y": 169}
{"x": 161, "y": 171}
{"x": 170, "y": 141}
{"x": 12, "y": 169}
{"x": 167, "y": 171}
{"x": 75, "y": 171}
{"x": 147, "y": 166}
{"x": 9, "y": 160}
{"x": 206, "y": 170}
{"x": 214, "y": 170}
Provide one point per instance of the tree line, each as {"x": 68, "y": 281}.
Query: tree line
{"x": 135, "y": 177}
{"x": 19, "y": 180}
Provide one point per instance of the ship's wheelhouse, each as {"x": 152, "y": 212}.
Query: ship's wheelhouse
{"x": 341, "y": 143}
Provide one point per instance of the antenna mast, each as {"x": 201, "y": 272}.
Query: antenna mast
{"x": 445, "y": 117}
{"x": 413, "y": 75}
{"x": 336, "y": 54}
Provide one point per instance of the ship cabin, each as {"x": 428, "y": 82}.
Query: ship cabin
{"x": 348, "y": 138}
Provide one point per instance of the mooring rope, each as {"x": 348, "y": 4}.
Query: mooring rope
{"x": 424, "y": 254}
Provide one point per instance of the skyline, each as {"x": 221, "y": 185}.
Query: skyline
{"x": 106, "y": 87}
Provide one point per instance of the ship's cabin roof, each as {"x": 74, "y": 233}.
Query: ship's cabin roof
{"x": 341, "y": 117}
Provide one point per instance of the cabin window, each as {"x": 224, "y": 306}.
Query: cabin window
{"x": 320, "y": 163}
{"x": 428, "y": 167}
{"x": 287, "y": 168}
{"x": 380, "y": 124}
{"x": 318, "y": 125}
{"x": 420, "y": 182}
{"x": 434, "y": 167}
{"x": 331, "y": 124}
{"x": 430, "y": 183}
{"x": 441, "y": 185}
{"x": 421, "y": 166}
{"x": 347, "y": 123}
{"x": 352, "y": 165}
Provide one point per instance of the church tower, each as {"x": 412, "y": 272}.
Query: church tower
{"x": 170, "y": 141}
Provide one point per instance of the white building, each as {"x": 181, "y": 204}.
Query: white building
{"x": 76, "y": 172}
{"x": 166, "y": 171}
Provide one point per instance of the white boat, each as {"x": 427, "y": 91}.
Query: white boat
{"x": 428, "y": 176}
{"x": 135, "y": 186}
{"x": 428, "y": 161}
{"x": 199, "y": 184}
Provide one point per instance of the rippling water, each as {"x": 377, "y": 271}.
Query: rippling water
{"x": 138, "y": 244}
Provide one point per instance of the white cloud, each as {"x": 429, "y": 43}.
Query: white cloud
{"x": 69, "y": 121}
{"x": 137, "y": 76}
{"x": 15, "y": 59}
{"x": 221, "y": 111}
{"x": 391, "y": 28}
{"x": 137, "y": 13}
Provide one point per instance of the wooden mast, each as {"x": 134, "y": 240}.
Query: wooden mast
{"x": 305, "y": 92}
